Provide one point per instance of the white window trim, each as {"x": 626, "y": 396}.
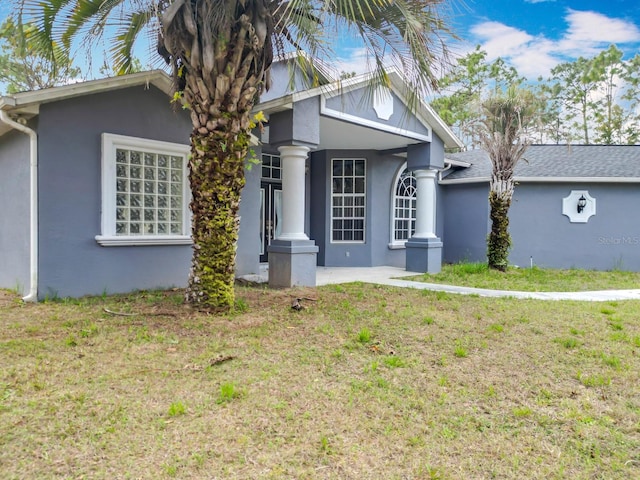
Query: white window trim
{"x": 108, "y": 237}
{"x": 393, "y": 243}
{"x": 365, "y": 195}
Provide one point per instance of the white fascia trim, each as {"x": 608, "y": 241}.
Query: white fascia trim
{"x": 115, "y": 241}
{"x": 457, "y": 163}
{"x": 546, "y": 180}
{"x": 464, "y": 180}
{"x": 425, "y": 113}
{"x": 578, "y": 179}
{"x": 157, "y": 78}
{"x": 346, "y": 117}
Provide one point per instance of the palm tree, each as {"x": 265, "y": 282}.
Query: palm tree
{"x": 220, "y": 52}
{"x": 502, "y": 132}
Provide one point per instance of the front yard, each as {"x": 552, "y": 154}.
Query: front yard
{"x": 366, "y": 382}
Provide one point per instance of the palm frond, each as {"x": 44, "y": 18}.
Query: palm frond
{"x": 132, "y": 25}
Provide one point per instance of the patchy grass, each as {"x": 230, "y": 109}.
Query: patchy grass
{"x": 366, "y": 382}
{"x": 478, "y": 275}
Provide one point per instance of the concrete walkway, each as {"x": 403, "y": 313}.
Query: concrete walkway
{"x": 393, "y": 277}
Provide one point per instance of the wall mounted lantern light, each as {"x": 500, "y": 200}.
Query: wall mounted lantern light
{"x": 579, "y": 206}
{"x": 582, "y": 202}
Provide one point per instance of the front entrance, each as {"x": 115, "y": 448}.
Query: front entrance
{"x": 270, "y": 202}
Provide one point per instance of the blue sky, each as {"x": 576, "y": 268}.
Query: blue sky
{"x": 532, "y": 35}
{"x": 536, "y": 35}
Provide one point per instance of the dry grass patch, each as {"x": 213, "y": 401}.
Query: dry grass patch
{"x": 364, "y": 382}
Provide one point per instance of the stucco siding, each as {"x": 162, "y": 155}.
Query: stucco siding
{"x": 358, "y": 103}
{"x": 248, "y": 258}
{"x": 383, "y": 172}
{"x": 14, "y": 211}
{"x": 465, "y": 223}
{"x": 71, "y": 262}
{"x": 542, "y": 234}
{"x": 318, "y": 195}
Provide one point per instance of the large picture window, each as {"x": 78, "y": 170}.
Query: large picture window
{"x": 403, "y": 223}
{"x": 145, "y": 193}
{"x": 348, "y": 199}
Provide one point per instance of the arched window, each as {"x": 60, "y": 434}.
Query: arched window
{"x": 403, "y": 221}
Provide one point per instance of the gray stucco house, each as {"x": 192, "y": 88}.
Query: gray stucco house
{"x": 573, "y": 206}
{"x": 94, "y": 191}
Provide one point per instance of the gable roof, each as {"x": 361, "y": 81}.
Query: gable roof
{"x": 423, "y": 111}
{"x": 557, "y": 163}
{"x": 27, "y": 104}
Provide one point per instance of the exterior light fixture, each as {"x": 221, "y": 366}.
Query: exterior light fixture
{"x": 582, "y": 202}
{"x": 579, "y": 206}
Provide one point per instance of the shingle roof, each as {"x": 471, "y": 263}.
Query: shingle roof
{"x": 558, "y": 161}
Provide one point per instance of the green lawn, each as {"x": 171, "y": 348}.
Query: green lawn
{"x": 534, "y": 279}
{"x": 367, "y": 382}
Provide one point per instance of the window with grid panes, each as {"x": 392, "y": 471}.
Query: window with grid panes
{"x": 348, "y": 199}
{"x": 144, "y": 192}
{"x": 271, "y": 168}
{"x": 404, "y": 207}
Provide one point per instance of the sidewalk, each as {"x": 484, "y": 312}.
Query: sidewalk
{"x": 392, "y": 276}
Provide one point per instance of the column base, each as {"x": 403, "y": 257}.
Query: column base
{"x": 292, "y": 263}
{"x": 424, "y": 255}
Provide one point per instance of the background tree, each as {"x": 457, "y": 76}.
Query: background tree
{"x": 220, "y": 54}
{"x": 23, "y": 68}
{"x": 598, "y": 97}
{"x": 504, "y": 119}
{"x": 463, "y": 86}
{"x": 630, "y": 116}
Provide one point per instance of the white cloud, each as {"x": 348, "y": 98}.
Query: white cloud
{"x": 500, "y": 39}
{"x": 352, "y": 60}
{"x": 596, "y": 27}
{"x": 587, "y": 33}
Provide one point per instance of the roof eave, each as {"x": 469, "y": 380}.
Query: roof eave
{"x": 26, "y": 100}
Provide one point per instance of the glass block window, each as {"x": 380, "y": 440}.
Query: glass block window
{"x": 271, "y": 167}
{"x": 145, "y": 195}
{"x": 404, "y": 206}
{"x": 149, "y": 193}
{"x": 348, "y": 199}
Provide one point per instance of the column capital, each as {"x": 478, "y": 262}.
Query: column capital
{"x": 294, "y": 151}
{"x": 425, "y": 173}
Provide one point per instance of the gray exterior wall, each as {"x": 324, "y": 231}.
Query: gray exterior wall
{"x": 381, "y": 171}
{"x": 358, "y": 102}
{"x": 248, "y": 257}
{"x": 540, "y": 232}
{"x": 14, "y": 212}
{"x": 610, "y": 239}
{"x": 71, "y": 262}
{"x": 465, "y": 212}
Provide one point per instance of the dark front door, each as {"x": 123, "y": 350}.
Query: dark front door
{"x": 270, "y": 215}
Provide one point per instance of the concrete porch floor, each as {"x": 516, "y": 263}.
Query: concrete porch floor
{"x": 333, "y": 275}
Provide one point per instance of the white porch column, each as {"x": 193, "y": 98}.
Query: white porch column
{"x": 425, "y": 203}
{"x": 293, "y": 159}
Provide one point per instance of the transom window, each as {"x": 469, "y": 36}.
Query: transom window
{"x": 271, "y": 168}
{"x": 144, "y": 192}
{"x": 348, "y": 199}
{"x": 404, "y": 207}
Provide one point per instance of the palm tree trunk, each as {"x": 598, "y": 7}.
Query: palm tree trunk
{"x": 216, "y": 175}
{"x": 499, "y": 241}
